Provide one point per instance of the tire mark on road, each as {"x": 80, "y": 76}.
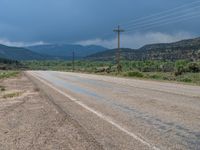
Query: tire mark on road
{"x": 100, "y": 115}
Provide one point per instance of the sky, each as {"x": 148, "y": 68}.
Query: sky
{"x": 85, "y": 22}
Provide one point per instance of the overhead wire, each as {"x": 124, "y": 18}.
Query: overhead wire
{"x": 187, "y": 11}
{"x": 162, "y": 18}
{"x": 159, "y": 14}
{"x": 168, "y": 20}
{"x": 158, "y": 25}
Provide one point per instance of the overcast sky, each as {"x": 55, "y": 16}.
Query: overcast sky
{"x": 31, "y": 22}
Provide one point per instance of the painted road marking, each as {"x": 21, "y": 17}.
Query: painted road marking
{"x": 100, "y": 115}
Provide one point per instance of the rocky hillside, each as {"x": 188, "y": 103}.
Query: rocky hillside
{"x": 185, "y": 49}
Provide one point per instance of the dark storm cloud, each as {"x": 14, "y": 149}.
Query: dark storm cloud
{"x": 79, "y": 20}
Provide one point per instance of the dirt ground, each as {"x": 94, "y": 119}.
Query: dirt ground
{"x": 30, "y": 120}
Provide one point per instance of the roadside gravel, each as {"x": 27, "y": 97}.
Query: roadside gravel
{"x": 31, "y": 121}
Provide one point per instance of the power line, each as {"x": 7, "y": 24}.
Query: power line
{"x": 165, "y": 23}
{"x": 157, "y": 19}
{"x": 168, "y": 20}
{"x": 161, "y": 13}
{"x": 163, "y": 17}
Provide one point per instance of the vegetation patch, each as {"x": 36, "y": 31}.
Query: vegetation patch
{"x": 7, "y": 64}
{"x": 2, "y": 88}
{"x": 12, "y": 95}
{"x": 186, "y": 80}
{"x": 134, "y": 74}
{"x": 189, "y": 78}
{"x": 8, "y": 74}
{"x": 180, "y": 70}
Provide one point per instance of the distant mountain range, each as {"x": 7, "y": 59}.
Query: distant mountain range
{"x": 16, "y": 53}
{"x": 64, "y": 51}
{"x": 185, "y": 49}
{"x": 48, "y": 52}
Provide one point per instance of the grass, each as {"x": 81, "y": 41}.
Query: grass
{"x": 8, "y": 74}
{"x": 133, "y": 74}
{"x": 12, "y": 95}
{"x": 189, "y": 78}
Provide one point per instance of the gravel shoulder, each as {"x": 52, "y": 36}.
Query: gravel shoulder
{"x": 30, "y": 120}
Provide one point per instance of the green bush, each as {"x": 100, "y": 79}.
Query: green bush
{"x": 193, "y": 67}
{"x": 2, "y": 88}
{"x": 135, "y": 74}
{"x": 180, "y": 70}
{"x": 186, "y": 80}
{"x": 155, "y": 76}
{"x": 167, "y": 67}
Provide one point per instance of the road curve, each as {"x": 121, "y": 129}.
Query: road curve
{"x": 127, "y": 113}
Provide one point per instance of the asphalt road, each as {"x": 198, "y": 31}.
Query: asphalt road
{"x": 124, "y": 113}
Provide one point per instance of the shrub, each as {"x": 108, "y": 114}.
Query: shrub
{"x": 12, "y": 95}
{"x": 2, "y": 88}
{"x": 102, "y": 69}
{"x": 155, "y": 76}
{"x": 180, "y": 70}
{"x": 135, "y": 74}
{"x": 193, "y": 67}
{"x": 186, "y": 80}
{"x": 181, "y": 63}
{"x": 168, "y": 67}
{"x": 198, "y": 54}
{"x": 148, "y": 69}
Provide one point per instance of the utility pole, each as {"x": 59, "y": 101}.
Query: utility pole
{"x": 118, "y": 30}
{"x": 73, "y": 55}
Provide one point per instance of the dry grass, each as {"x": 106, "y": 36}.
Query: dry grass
{"x": 8, "y": 74}
{"x": 12, "y": 95}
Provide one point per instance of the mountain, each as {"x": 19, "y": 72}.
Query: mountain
{"x": 185, "y": 49}
{"x": 17, "y": 53}
{"x": 64, "y": 51}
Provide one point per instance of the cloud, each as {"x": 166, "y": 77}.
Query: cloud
{"x": 20, "y": 44}
{"x": 139, "y": 39}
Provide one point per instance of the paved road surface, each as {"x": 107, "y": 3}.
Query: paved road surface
{"x": 127, "y": 113}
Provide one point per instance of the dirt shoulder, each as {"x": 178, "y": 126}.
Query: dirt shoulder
{"x": 30, "y": 120}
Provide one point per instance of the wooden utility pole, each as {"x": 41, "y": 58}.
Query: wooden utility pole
{"x": 73, "y": 55}
{"x": 118, "y": 30}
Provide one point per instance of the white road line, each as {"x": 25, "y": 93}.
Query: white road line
{"x": 100, "y": 115}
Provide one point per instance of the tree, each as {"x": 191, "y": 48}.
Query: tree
{"x": 193, "y": 67}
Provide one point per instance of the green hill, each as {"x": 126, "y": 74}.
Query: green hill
{"x": 64, "y": 51}
{"x": 185, "y": 49}
{"x": 17, "y": 53}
